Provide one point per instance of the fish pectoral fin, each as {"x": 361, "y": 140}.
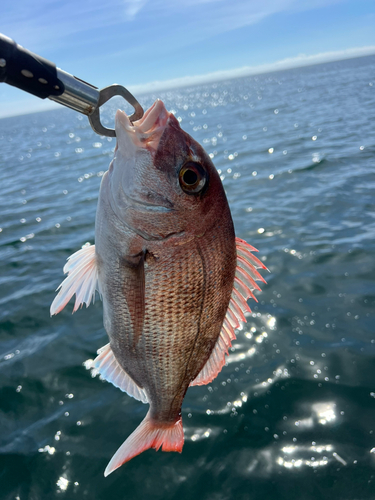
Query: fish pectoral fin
{"x": 244, "y": 284}
{"x": 82, "y": 280}
{"x": 107, "y": 366}
{"x": 149, "y": 434}
{"x": 134, "y": 291}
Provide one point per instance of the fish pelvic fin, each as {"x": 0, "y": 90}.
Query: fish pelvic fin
{"x": 82, "y": 280}
{"x": 149, "y": 434}
{"x": 107, "y": 366}
{"x": 244, "y": 285}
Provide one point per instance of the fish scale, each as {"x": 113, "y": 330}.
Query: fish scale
{"x": 174, "y": 344}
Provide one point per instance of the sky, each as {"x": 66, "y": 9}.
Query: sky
{"x": 157, "y": 44}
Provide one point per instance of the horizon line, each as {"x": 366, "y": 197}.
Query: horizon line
{"x": 302, "y": 60}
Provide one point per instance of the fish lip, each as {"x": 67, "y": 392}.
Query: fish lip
{"x": 156, "y": 113}
{"x": 146, "y": 132}
{"x": 144, "y": 117}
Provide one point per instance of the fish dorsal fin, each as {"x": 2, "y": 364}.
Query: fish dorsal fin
{"x": 107, "y": 366}
{"x": 82, "y": 280}
{"x": 244, "y": 284}
{"x": 215, "y": 362}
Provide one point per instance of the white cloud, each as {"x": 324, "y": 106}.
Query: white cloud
{"x": 132, "y": 7}
{"x": 219, "y": 16}
{"x": 38, "y": 26}
{"x": 41, "y": 25}
{"x": 163, "y": 24}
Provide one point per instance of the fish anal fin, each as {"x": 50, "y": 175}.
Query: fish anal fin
{"x": 149, "y": 434}
{"x": 109, "y": 369}
{"x": 82, "y": 280}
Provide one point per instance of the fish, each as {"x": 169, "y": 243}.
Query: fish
{"x": 173, "y": 277}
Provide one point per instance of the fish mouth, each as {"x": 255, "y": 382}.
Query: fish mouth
{"x": 146, "y": 132}
{"x": 130, "y": 165}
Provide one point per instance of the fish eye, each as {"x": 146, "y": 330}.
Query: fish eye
{"x": 192, "y": 177}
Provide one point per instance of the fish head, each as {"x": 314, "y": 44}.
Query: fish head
{"x": 162, "y": 181}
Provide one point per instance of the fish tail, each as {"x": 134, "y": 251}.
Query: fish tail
{"x": 149, "y": 434}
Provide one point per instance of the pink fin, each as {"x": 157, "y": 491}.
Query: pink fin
{"x": 243, "y": 289}
{"x": 227, "y": 337}
{"x": 245, "y": 248}
{"x": 214, "y": 364}
{"x": 235, "y": 306}
{"x": 109, "y": 369}
{"x": 241, "y": 302}
{"x": 82, "y": 280}
{"x": 248, "y": 266}
{"x": 244, "y": 283}
{"x": 232, "y": 319}
{"x": 149, "y": 434}
{"x": 245, "y": 244}
{"x": 228, "y": 329}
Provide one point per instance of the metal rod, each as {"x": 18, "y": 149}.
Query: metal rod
{"x": 78, "y": 95}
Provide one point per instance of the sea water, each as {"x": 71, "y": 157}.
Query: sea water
{"x": 292, "y": 414}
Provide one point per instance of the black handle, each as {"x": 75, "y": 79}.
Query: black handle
{"x": 27, "y": 71}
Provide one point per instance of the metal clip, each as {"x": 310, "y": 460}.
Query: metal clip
{"x": 106, "y": 94}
